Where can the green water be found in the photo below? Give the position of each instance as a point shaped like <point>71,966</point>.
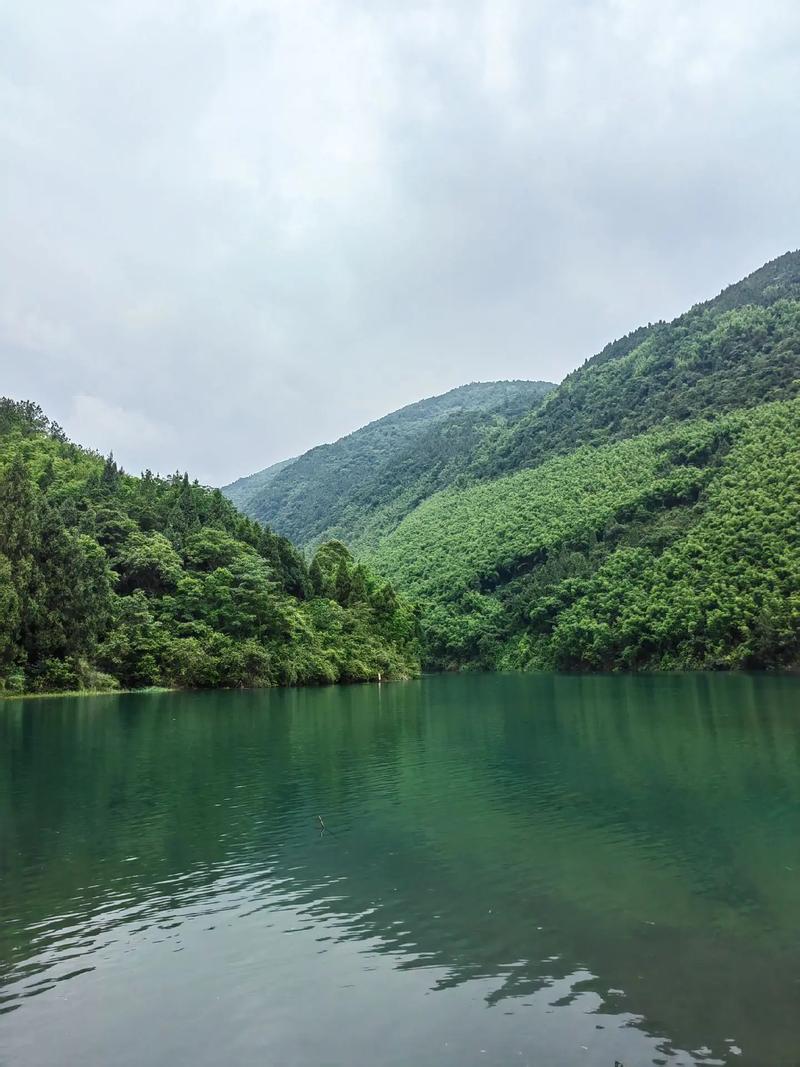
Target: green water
<point>534,870</point>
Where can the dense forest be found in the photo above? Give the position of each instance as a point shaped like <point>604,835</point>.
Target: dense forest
<point>679,548</point>
<point>360,487</point>
<point>109,580</point>
<point>736,350</point>
<point>246,489</point>
<point>645,515</point>
<point>717,357</point>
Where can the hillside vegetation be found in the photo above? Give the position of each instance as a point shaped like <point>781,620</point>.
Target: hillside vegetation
<point>737,350</point>
<point>645,515</point>
<point>360,487</point>
<point>108,580</point>
<point>676,549</point>
<point>243,490</point>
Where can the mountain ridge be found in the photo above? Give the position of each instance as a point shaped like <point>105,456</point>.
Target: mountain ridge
<point>241,490</point>
<point>644,516</point>
<point>327,491</point>
<point>628,379</point>
<point>628,386</point>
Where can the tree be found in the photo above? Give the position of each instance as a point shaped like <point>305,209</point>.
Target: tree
<point>343,586</point>
<point>10,618</point>
<point>148,562</point>
<point>110,478</point>
<point>19,534</point>
<point>316,578</point>
<point>107,579</point>
<point>73,592</point>
<point>18,515</point>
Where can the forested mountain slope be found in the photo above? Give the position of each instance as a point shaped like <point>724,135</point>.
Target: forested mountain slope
<point>108,580</point>
<point>736,350</point>
<point>646,514</point>
<point>679,548</point>
<point>242,490</point>
<point>643,514</point>
<point>739,349</point>
<point>358,488</point>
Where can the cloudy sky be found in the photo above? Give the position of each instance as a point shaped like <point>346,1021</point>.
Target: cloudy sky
<point>233,229</point>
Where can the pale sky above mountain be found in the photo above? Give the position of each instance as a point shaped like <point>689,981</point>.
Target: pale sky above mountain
<point>233,229</point>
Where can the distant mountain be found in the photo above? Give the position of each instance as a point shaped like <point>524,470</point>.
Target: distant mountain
<point>645,515</point>
<point>244,489</point>
<point>641,515</point>
<point>360,487</point>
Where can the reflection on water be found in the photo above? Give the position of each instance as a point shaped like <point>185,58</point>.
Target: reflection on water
<point>547,870</point>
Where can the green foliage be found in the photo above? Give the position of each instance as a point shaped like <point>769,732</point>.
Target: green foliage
<point>360,487</point>
<point>108,580</point>
<point>644,514</point>
<point>248,489</point>
<point>677,549</point>
<point>461,546</point>
<point>718,357</point>
<point>740,349</point>
<point>564,534</point>
<point>726,593</point>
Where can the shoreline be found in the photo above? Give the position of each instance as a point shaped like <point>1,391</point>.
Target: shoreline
<point>84,693</point>
<point>211,689</point>
<point>793,671</point>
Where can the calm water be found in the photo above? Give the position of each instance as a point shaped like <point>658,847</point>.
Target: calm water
<point>534,870</point>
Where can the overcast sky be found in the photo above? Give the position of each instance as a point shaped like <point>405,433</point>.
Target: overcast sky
<point>233,229</point>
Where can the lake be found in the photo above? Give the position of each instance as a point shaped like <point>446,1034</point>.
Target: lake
<point>544,870</point>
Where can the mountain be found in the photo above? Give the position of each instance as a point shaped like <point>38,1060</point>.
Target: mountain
<point>360,487</point>
<point>107,580</point>
<point>244,489</point>
<point>733,351</point>
<point>645,515</point>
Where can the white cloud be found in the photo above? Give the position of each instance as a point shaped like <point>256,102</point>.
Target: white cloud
<point>259,223</point>
<point>111,428</point>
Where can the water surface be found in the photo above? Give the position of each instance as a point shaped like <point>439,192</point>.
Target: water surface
<point>539,870</point>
